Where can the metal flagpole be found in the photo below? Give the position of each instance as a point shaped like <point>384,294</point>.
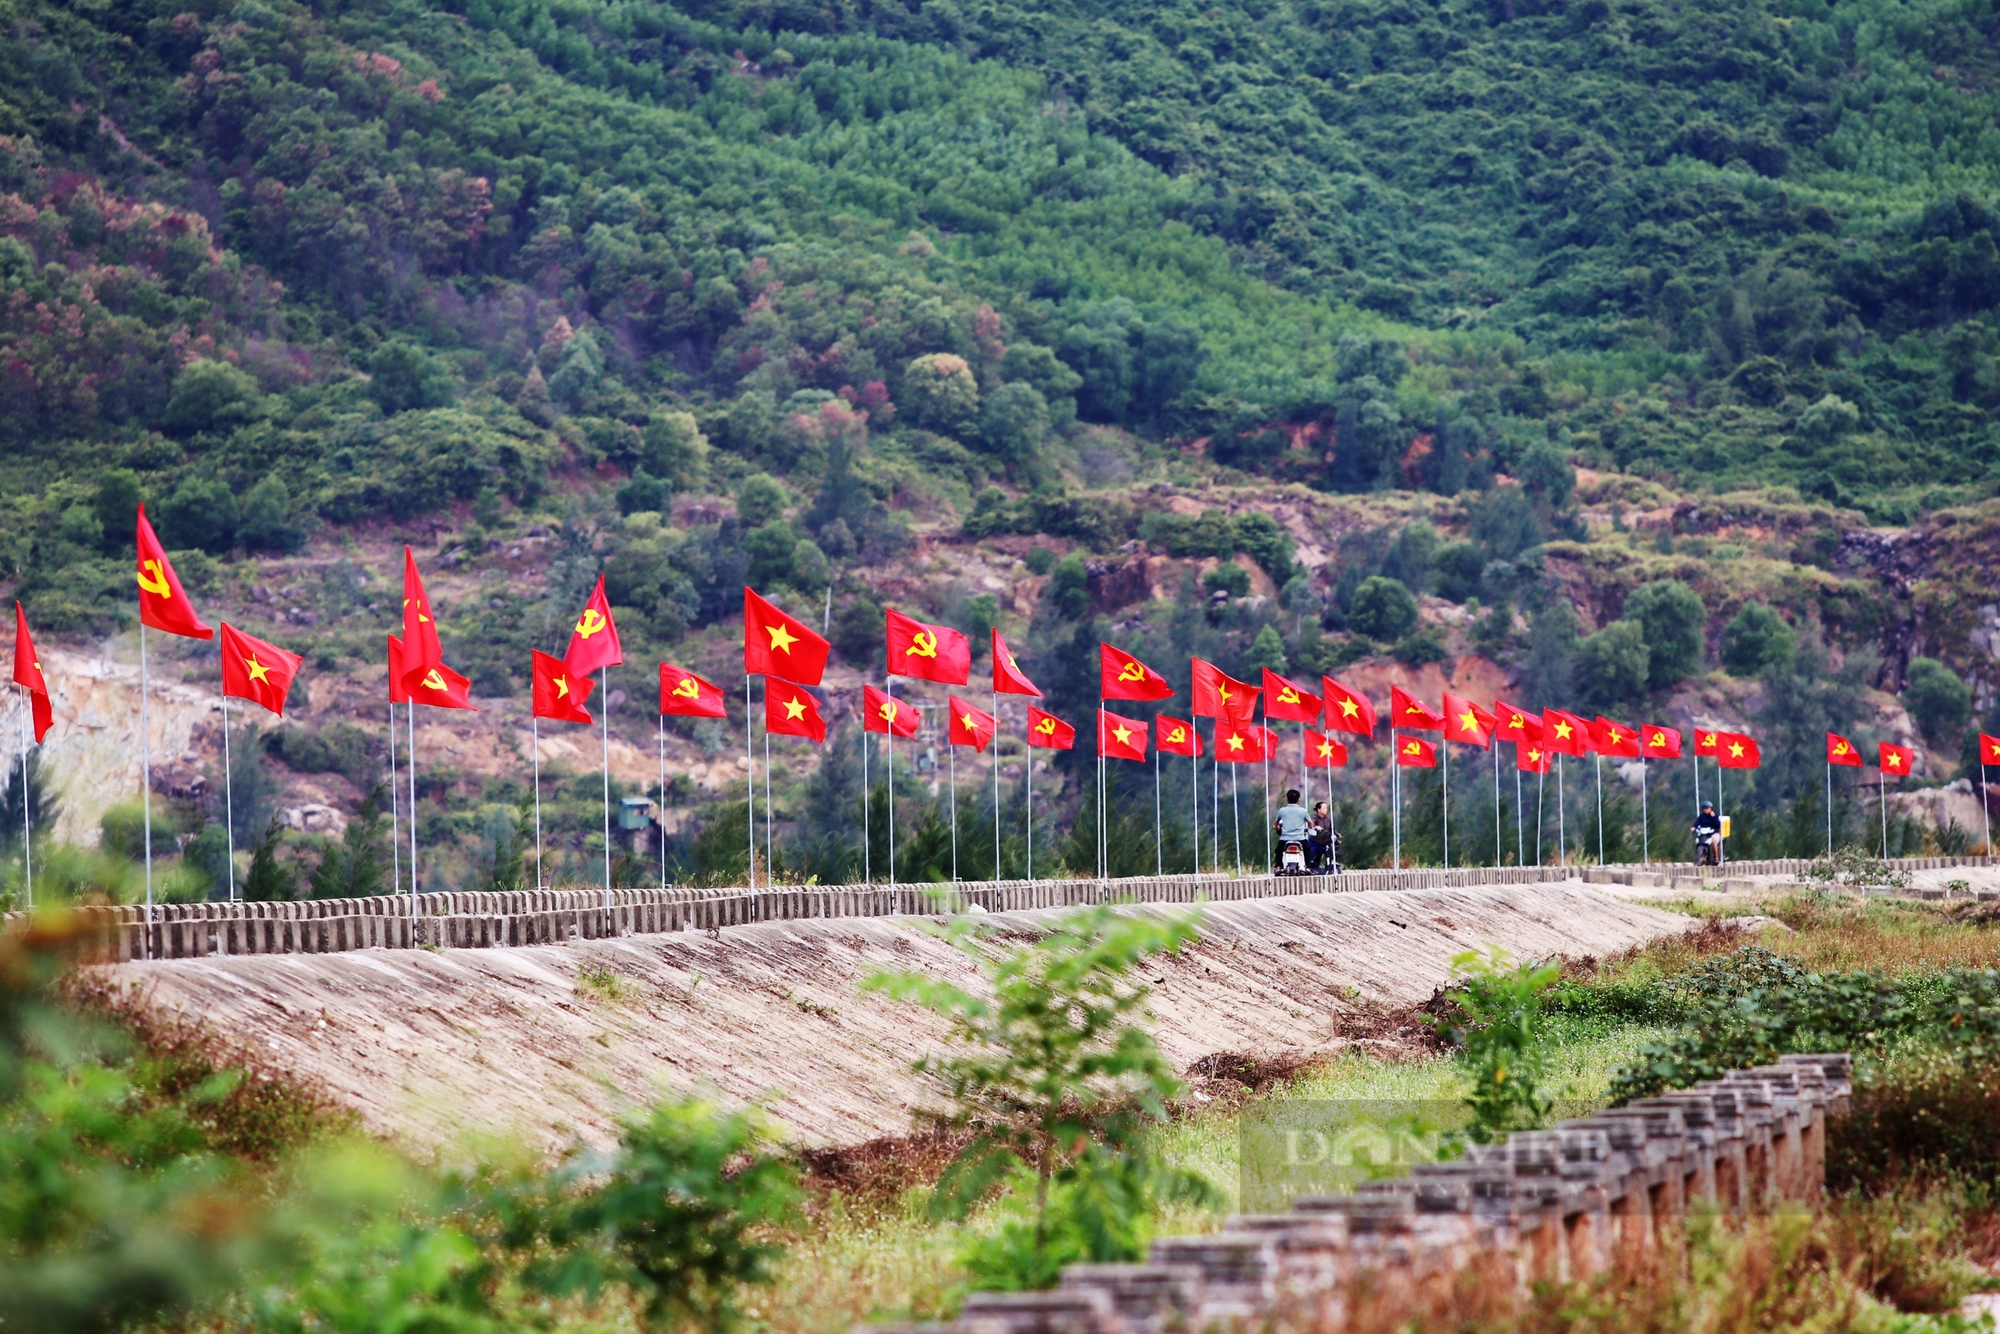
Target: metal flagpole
<point>889,757</point>
<point>1829,803</point>
<point>1395,803</point>
<point>1215,809</point>
<point>1881,804</point>
<point>769,872</point>
<point>1236,815</point>
<point>146,784</point>
<point>996,787</point>
<point>1985,818</point>
<point>1444,749</point>
<point>1541,806</point>
<point>1645,819</point>
<point>1194,794</point>
<point>604,712</point>
<point>412,707</point>
<point>1723,856</point>
<point>1268,815</point>
<point>28,833</point>
<point>396,813</point>
<point>1697,775</point>
<point>228,798</point>
<point>1159,853</point>
<point>1030,795</point>
<point>535,729</point>
<point>867,800</point>
<point>1494,742</point>
<point>1562,834</point>
<point>750,780</point>
<point>1520,821</point>
<point>951,765</point>
<point>663,801</point>
<point>1598,762</point>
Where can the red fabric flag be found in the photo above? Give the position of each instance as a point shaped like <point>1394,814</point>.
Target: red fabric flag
<point>1405,710</point>
<point>1008,678</point>
<point>1707,743</point>
<point>28,675</point>
<point>1220,695</point>
<point>1531,757</point>
<point>775,644</point>
<point>1989,749</point>
<point>1565,733</point>
<point>1323,752</point>
<point>968,726</point>
<point>1288,700</point>
<point>1466,723</point>
<point>1416,753</point>
<point>791,710</point>
<point>1515,725</point>
<point>1738,751</point>
<point>1895,761</point>
<point>1345,710</point>
<point>686,695</point>
<point>593,642</point>
<point>883,712</point>
<point>559,690</point>
<point>439,686</point>
<point>1614,739</point>
<point>1239,743</point>
<point>1122,676</point>
<point>927,652</point>
<point>1663,743</point>
<point>163,603</point>
<point>1176,736</point>
<point>421,649</point>
<point>397,693</point>
<point>254,670</point>
<point>1839,750</point>
<point>1120,738</point>
<point>1048,731</point>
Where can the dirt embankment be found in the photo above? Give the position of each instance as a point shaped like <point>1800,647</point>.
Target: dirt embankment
<point>434,1047</point>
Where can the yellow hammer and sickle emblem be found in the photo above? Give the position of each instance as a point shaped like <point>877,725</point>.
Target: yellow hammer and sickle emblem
<point>687,689</point>
<point>590,622</point>
<point>1288,696</point>
<point>1411,749</point>
<point>1177,736</point>
<point>157,585</point>
<point>1047,727</point>
<point>888,713</point>
<point>1131,671</point>
<point>923,645</point>
<point>432,681</point>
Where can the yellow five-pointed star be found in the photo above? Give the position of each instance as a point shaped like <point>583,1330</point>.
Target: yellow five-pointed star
<point>562,687</point>
<point>1349,709</point>
<point>1325,749</point>
<point>971,725</point>
<point>1895,760</point>
<point>1534,756</point>
<point>795,708</point>
<point>1563,730</point>
<point>258,672</point>
<point>1235,742</point>
<point>1735,751</point>
<point>1122,734</point>
<point>1468,721</point>
<point>781,638</point>
<point>1616,736</point>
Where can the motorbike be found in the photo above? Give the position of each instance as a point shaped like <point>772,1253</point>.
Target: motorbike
<point>1707,847</point>
<point>1292,858</point>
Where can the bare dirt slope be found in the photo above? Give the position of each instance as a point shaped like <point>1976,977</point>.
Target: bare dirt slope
<point>431,1047</point>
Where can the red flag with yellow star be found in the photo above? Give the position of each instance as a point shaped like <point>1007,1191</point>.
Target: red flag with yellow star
<point>1663,743</point>
<point>163,603</point>
<point>1122,676</point>
<point>559,689</point>
<point>1176,736</point>
<point>1840,750</point>
<point>1048,731</point>
<point>1218,694</point>
<point>775,644</point>
<point>421,650</point>
<point>1466,723</point>
<point>254,670</point>
<point>1416,753</point>
<point>1287,700</point>
<point>1531,757</point>
<point>1346,710</point>
<point>1989,749</point>
<point>1323,752</point>
<point>28,676</point>
<point>927,652</point>
<point>1240,743</point>
<point>593,641</point>
<point>1120,738</point>
<point>883,712</point>
<point>1406,710</point>
<point>1008,678</point>
<point>1614,739</point>
<point>1896,761</point>
<point>685,695</point>
<point>1737,751</point>
<point>791,710</point>
<point>969,726</point>
<point>1565,733</point>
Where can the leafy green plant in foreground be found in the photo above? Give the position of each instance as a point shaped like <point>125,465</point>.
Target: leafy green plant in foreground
<point>1056,1083</point>
<point>1497,1031</point>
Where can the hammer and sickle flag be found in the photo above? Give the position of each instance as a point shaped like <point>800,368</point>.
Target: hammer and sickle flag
<point>927,652</point>
<point>1841,750</point>
<point>1122,676</point>
<point>1008,678</point>
<point>1287,700</point>
<point>1516,725</point>
<point>1323,752</point>
<point>791,710</point>
<point>1663,743</point>
<point>1176,736</point>
<point>1048,731</point>
<point>1406,710</point>
<point>969,726</point>
<point>28,675</point>
<point>163,603</point>
<point>255,670</point>
<point>593,642</point>
<point>421,650</point>
<point>1120,738</point>
<point>1416,753</point>
<point>439,686</point>
<point>1216,694</point>
<point>686,695</point>
<point>560,690</point>
<point>884,713</point>
<point>775,644</point>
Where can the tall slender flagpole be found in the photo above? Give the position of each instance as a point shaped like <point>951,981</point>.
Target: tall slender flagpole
<point>769,870</point>
<point>1194,796</point>
<point>1645,819</point>
<point>1986,819</point>
<point>1597,761</point>
<point>1494,742</point>
<point>396,813</point>
<point>1444,749</point>
<point>1030,794</point>
<point>146,783</point>
<point>1881,803</point>
<point>1236,813</point>
<point>1395,803</point>
<point>1268,815</point>
<point>1159,853</point>
<point>1215,809</point>
<point>750,779</point>
<point>535,729</point>
<point>663,801</point>
<point>412,707</point>
<point>1562,833</point>
<point>1723,856</point>
<point>604,712</point>
<point>28,833</point>
<point>996,787</point>
<point>1520,821</point>
<point>889,755</point>
<point>867,800</point>
<point>951,767</point>
<point>1541,806</point>
<point>228,799</point>
<point>1829,803</point>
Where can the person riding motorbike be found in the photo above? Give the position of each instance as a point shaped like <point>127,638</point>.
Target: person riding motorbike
<point>1293,823</point>
<point>1708,835</point>
<point>1319,849</point>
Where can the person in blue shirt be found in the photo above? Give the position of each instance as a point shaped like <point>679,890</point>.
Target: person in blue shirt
<point>1294,825</point>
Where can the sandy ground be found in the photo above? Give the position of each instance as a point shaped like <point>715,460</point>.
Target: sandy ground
<point>437,1048</point>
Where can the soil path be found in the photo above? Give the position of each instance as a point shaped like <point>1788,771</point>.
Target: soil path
<point>433,1047</point>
